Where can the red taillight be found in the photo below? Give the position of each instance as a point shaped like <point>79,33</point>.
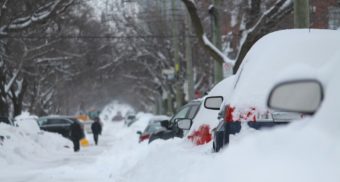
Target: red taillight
<point>201,136</point>
<point>228,115</point>
<point>143,137</point>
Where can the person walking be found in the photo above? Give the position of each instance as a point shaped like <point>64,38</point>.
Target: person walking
<point>96,128</point>
<point>77,134</point>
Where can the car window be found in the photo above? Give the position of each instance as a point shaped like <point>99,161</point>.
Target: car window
<point>73,119</point>
<point>153,128</point>
<point>181,114</point>
<point>57,121</point>
<point>193,111</point>
<point>42,121</point>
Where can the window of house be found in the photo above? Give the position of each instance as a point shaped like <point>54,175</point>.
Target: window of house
<point>334,18</point>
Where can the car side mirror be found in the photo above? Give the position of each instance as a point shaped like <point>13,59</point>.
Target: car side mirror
<point>213,103</point>
<point>302,96</point>
<point>139,132</point>
<point>184,124</point>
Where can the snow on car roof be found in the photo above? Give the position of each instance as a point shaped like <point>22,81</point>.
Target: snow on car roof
<point>159,118</point>
<point>207,116</point>
<point>303,49</point>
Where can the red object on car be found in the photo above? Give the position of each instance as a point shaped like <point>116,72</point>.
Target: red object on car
<point>201,136</point>
<point>143,137</point>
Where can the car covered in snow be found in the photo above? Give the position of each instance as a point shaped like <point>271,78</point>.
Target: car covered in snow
<point>275,55</point>
<point>184,115</point>
<point>154,125</point>
<point>118,117</point>
<point>130,118</point>
<point>207,115</point>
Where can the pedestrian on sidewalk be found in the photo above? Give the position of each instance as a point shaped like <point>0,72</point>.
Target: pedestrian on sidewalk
<point>77,133</point>
<point>96,128</point>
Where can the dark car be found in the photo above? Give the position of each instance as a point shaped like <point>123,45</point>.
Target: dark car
<point>58,124</point>
<point>154,126</point>
<point>187,111</point>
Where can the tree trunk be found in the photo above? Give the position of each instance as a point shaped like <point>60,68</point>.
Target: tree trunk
<point>301,13</point>
<point>214,13</point>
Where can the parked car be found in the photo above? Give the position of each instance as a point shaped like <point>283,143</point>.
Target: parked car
<point>185,114</point>
<point>295,52</point>
<point>118,117</point>
<point>130,118</point>
<point>154,125</point>
<point>58,124</point>
<point>207,115</point>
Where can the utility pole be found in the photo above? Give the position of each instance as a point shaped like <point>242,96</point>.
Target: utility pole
<point>216,39</point>
<point>301,13</point>
<point>188,56</point>
<point>178,88</point>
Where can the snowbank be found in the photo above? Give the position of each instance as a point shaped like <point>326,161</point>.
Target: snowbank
<point>308,150</point>
<point>26,143</point>
<point>112,109</point>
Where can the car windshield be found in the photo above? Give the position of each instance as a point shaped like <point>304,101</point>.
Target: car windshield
<point>153,127</point>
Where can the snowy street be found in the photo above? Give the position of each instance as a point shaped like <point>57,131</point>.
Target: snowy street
<point>114,154</point>
<point>175,90</point>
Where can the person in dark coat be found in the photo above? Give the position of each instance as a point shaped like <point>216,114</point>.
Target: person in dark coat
<point>77,134</point>
<point>96,128</point>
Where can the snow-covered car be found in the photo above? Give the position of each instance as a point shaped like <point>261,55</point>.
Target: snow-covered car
<point>118,117</point>
<point>186,113</point>
<point>207,115</point>
<point>280,54</point>
<point>130,118</point>
<point>154,126</point>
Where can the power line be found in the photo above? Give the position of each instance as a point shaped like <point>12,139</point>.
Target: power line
<point>93,37</point>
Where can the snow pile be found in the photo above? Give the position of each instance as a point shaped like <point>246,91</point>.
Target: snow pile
<point>112,109</point>
<point>27,122</point>
<point>308,150</point>
<point>26,143</point>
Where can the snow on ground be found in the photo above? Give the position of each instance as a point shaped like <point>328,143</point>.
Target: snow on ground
<point>30,155</point>
<point>307,150</point>
<point>299,152</point>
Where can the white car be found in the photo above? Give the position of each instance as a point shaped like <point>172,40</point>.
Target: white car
<point>282,54</point>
